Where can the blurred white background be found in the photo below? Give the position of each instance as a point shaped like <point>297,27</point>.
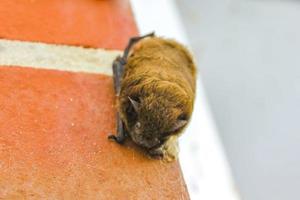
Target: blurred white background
<point>248,53</point>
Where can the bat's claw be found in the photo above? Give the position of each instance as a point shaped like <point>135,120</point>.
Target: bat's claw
<point>117,139</point>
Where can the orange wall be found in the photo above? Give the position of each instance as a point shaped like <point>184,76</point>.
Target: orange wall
<point>54,124</point>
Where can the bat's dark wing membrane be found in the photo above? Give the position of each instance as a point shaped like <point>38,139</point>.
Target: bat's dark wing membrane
<point>118,70</point>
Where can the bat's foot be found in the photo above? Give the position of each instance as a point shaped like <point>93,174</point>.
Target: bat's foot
<point>119,140</point>
<point>171,149</point>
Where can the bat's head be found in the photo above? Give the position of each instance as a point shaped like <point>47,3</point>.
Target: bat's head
<point>154,119</point>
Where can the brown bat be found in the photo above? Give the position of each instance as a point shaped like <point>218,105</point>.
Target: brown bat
<point>155,86</point>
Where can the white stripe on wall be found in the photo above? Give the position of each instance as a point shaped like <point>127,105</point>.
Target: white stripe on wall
<point>58,57</point>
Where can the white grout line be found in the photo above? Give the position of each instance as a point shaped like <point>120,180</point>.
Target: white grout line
<point>58,57</point>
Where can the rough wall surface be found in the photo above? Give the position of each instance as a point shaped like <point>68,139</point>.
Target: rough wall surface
<point>54,124</point>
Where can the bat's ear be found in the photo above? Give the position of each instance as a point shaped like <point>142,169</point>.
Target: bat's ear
<point>179,124</point>
<point>135,104</point>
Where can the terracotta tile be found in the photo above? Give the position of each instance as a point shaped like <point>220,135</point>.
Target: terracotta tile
<point>54,124</point>
<point>53,142</point>
<point>92,23</point>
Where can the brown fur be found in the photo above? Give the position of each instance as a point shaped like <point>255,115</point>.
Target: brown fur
<point>160,75</point>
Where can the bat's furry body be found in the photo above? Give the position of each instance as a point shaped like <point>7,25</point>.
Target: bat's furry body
<point>157,94</point>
